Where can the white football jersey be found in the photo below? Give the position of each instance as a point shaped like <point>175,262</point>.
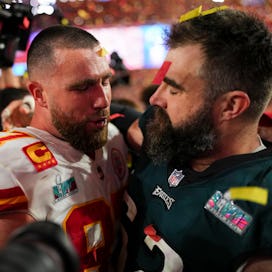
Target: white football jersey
<point>56,182</point>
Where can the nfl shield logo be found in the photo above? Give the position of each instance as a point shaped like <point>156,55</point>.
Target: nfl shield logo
<point>175,178</point>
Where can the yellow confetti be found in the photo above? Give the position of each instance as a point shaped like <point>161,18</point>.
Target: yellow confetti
<point>190,14</point>
<point>102,52</point>
<point>83,14</point>
<point>252,193</point>
<point>64,21</point>
<point>25,75</point>
<point>198,12</point>
<point>213,10</point>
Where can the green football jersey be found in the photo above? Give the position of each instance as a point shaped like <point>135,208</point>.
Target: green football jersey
<point>180,219</point>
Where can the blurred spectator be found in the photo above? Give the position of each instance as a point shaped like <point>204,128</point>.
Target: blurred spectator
<point>147,93</point>
<point>265,124</point>
<point>121,74</point>
<point>16,107</point>
<point>8,79</point>
<point>127,102</point>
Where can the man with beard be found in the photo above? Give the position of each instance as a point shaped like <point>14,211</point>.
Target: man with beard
<point>69,165</point>
<point>201,198</point>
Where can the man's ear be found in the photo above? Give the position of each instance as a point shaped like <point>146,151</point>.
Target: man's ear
<point>232,104</point>
<point>37,92</point>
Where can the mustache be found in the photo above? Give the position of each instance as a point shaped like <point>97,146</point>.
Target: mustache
<point>100,114</point>
<point>160,115</point>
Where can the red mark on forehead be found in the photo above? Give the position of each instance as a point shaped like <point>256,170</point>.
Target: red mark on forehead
<point>161,73</point>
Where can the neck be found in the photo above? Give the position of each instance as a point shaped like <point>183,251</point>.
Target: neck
<point>226,149</point>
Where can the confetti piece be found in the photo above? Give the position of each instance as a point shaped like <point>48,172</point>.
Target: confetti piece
<point>198,12</point>
<point>190,14</point>
<point>161,73</point>
<point>100,51</point>
<point>253,194</point>
<point>213,10</point>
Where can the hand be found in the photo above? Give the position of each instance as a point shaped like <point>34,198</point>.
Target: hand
<point>257,265</point>
<point>135,136</point>
<point>18,113</point>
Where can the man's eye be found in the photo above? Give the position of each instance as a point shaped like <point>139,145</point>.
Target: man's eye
<point>173,91</point>
<point>106,82</point>
<point>82,87</point>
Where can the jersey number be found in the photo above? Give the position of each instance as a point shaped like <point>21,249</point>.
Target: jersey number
<point>92,234</point>
<point>172,261</point>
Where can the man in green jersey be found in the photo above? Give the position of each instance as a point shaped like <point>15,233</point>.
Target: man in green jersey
<point>201,198</point>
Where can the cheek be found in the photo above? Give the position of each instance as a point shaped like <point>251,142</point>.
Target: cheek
<point>108,93</point>
<point>72,106</point>
<point>176,110</point>
<point>181,111</point>
<point>174,115</point>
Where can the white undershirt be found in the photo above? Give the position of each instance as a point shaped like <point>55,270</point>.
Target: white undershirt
<point>260,147</point>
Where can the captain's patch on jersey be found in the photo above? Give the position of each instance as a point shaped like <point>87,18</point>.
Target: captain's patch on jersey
<point>229,213</point>
<point>40,156</point>
<point>118,163</point>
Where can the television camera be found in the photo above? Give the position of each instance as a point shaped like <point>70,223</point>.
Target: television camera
<point>15,26</point>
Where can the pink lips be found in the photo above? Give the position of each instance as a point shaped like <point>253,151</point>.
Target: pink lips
<point>98,123</point>
<point>101,123</point>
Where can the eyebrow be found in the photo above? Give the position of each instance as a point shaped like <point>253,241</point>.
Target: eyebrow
<point>173,83</point>
<point>88,81</point>
<point>81,83</point>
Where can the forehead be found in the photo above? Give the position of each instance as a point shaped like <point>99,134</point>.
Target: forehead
<point>89,61</point>
<point>185,60</point>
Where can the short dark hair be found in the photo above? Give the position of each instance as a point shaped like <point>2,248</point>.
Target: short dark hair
<point>41,51</point>
<point>237,48</point>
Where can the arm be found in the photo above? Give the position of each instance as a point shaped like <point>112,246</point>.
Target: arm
<point>256,265</point>
<point>135,136</point>
<point>8,79</point>
<point>126,118</point>
<point>18,113</point>
<point>13,205</point>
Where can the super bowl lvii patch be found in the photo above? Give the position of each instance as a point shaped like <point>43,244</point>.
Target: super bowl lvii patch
<point>229,213</point>
<point>65,188</point>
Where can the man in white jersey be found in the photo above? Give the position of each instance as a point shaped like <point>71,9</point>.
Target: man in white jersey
<point>69,165</point>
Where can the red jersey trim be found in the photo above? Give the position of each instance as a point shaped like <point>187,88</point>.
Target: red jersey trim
<point>13,136</point>
<point>12,199</point>
<point>116,115</point>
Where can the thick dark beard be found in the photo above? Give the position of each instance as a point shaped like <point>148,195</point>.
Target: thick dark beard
<point>76,133</point>
<point>164,143</point>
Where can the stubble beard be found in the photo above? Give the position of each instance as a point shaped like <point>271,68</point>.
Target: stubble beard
<point>77,134</point>
<point>179,145</point>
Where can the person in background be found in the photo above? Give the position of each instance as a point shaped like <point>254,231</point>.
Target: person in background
<point>265,124</point>
<point>146,93</point>
<point>69,165</point>
<point>200,197</point>
<point>8,79</point>
<point>16,107</point>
